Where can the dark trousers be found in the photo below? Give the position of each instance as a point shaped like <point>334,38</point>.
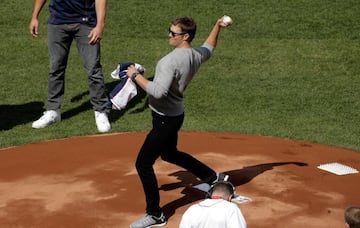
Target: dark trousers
<point>162,141</point>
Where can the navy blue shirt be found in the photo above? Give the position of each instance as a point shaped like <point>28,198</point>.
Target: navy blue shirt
<point>72,11</point>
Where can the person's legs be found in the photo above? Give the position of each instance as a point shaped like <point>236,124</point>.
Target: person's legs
<point>144,166</point>
<point>90,55</point>
<point>162,140</point>
<point>171,154</point>
<point>59,42</point>
<point>191,164</point>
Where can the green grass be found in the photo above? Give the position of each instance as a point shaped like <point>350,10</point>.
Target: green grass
<point>287,69</point>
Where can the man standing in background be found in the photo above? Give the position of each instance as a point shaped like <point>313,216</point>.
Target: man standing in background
<point>84,21</point>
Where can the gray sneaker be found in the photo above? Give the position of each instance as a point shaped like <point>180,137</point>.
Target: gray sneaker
<point>149,221</point>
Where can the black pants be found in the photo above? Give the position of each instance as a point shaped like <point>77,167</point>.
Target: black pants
<point>162,141</point>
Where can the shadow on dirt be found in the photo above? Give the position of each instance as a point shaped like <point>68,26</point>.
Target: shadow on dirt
<point>237,177</point>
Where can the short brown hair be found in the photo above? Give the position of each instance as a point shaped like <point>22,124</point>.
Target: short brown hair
<point>187,25</point>
<point>225,188</point>
<point>352,216</point>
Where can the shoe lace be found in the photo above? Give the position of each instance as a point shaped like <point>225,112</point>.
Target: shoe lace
<point>46,115</point>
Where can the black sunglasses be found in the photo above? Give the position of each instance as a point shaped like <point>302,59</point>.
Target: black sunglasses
<point>173,34</point>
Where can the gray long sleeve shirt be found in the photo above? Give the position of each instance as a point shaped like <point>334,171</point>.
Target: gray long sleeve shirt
<point>172,75</point>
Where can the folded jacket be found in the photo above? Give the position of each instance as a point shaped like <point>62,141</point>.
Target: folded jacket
<point>126,89</point>
<point>121,69</point>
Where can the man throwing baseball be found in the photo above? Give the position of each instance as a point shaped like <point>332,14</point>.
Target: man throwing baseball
<point>173,73</point>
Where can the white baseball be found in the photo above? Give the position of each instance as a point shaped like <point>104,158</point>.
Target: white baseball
<point>227,20</point>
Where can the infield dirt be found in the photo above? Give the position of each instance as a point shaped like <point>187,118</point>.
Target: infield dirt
<point>92,182</point>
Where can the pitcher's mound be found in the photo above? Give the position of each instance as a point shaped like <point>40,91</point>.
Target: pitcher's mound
<point>91,181</point>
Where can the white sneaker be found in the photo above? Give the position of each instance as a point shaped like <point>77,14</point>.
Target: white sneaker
<point>49,117</point>
<point>102,122</point>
